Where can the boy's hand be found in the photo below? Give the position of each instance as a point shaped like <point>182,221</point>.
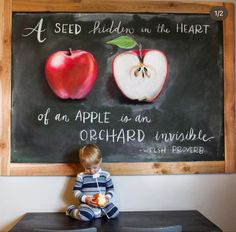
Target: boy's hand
<point>107,200</point>
<point>90,201</point>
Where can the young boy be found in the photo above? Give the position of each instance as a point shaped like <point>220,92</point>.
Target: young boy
<point>90,182</point>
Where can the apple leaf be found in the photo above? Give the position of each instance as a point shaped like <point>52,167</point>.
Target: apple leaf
<point>125,42</point>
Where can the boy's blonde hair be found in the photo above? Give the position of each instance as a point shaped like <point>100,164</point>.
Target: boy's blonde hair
<point>90,154</point>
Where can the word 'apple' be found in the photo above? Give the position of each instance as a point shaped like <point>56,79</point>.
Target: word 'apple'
<point>100,199</point>
<point>71,74</point>
<point>140,74</point>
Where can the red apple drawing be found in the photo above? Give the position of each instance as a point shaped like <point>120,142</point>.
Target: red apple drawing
<point>139,74</point>
<point>71,74</point>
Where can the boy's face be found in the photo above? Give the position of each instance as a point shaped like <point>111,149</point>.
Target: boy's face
<point>91,169</point>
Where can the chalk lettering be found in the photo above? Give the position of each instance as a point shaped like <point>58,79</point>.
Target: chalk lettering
<point>60,118</point>
<point>192,29</point>
<point>38,29</point>
<point>190,135</point>
<point>142,119</point>
<point>146,30</point>
<point>125,118</point>
<point>195,149</point>
<point>65,28</point>
<point>44,117</point>
<point>155,150</point>
<point>91,117</point>
<point>112,28</point>
<point>113,135</point>
<point>161,28</point>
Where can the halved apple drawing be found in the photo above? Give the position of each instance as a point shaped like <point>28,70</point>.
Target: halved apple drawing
<point>139,74</point>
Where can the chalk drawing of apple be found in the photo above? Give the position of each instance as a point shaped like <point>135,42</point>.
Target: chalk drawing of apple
<point>71,74</point>
<point>139,74</point>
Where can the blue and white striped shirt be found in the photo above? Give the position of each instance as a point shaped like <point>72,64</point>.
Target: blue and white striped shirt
<point>88,185</point>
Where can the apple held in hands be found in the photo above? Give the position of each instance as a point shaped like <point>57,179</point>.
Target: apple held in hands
<point>71,74</point>
<point>139,74</point>
<point>100,199</point>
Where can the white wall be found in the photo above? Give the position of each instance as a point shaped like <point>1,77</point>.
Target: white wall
<point>213,195</point>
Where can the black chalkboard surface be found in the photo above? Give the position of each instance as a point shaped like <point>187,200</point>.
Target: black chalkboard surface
<point>184,123</point>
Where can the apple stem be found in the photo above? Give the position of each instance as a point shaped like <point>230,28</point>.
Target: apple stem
<point>140,51</point>
<point>70,52</point>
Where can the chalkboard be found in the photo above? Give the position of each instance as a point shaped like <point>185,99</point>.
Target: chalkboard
<point>159,95</point>
<point>184,123</point>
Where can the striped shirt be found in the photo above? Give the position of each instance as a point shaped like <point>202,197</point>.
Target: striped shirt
<point>88,185</point>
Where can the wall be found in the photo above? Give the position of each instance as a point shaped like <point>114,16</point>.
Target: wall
<point>213,195</point>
